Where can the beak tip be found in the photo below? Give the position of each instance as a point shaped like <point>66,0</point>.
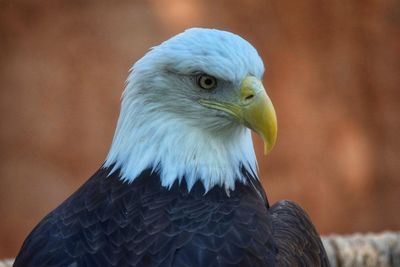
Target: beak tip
<point>269,140</point>
<point>267,148</point>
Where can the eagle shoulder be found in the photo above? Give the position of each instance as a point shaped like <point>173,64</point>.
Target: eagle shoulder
<point>296,238</point>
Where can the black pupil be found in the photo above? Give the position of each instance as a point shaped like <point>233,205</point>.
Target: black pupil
<point>208,81</point>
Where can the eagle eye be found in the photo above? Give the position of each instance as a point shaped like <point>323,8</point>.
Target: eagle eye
<point>206,82</point>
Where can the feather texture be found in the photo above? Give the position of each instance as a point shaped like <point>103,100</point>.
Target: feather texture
<point>110,223</point>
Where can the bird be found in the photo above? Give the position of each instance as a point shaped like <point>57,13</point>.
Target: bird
<point>179,185</point>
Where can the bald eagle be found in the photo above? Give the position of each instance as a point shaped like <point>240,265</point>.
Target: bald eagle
<point>179,186</point>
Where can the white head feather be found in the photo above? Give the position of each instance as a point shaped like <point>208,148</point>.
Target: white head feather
<point>163,127</point>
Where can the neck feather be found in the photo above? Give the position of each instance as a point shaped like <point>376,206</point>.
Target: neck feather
<point>145,139</point>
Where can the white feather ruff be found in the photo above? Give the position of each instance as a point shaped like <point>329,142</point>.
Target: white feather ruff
<point>161,125</point>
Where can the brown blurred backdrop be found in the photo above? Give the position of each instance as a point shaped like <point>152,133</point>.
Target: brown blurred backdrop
<point>333,72</point>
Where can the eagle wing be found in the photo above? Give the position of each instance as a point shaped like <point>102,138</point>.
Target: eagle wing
<point>297,241</point>
<point>109,223</point>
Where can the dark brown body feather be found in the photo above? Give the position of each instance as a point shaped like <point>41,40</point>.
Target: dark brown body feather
<point>111,223</point>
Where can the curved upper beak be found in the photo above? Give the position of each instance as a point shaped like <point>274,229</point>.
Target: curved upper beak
<point>258,112</point>
<point>254,110</point>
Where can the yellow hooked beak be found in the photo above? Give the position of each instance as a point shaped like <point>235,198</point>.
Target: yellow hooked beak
<point>254,110</point>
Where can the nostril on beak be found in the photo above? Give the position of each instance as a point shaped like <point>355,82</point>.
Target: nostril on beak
<point>249,97</point>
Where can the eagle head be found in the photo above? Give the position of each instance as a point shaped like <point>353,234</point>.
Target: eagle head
<point>188,108</point>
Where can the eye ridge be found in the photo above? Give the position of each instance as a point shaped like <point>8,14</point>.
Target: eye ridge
<point>206,81</point>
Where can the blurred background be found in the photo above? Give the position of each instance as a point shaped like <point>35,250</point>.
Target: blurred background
<point>333,73</point>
